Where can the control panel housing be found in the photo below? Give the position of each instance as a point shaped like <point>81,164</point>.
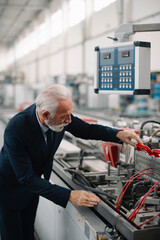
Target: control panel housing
<point>123,69</point>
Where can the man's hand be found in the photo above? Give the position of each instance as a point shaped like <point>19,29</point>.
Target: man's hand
<point>83,198</point>
<point>127,135</point>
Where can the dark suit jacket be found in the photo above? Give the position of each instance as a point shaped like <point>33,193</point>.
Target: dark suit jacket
<point>24,158</point>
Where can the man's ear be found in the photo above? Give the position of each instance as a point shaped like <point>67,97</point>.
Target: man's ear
<point>45,114</point>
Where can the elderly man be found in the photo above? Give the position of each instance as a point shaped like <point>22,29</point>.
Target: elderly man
<point>31,139</point>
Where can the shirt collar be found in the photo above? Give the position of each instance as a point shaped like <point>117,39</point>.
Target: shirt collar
<point>43,128</point>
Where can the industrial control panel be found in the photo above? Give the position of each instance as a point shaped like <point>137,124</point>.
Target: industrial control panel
<point>123,69</point>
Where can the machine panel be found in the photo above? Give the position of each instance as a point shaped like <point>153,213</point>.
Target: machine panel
<point>122,69</point>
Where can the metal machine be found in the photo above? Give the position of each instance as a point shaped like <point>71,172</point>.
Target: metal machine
<point>130,196</point>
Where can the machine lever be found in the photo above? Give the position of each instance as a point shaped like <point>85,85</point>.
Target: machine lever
<point>154,152</point>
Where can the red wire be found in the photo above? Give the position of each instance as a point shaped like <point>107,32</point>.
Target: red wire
<point>131,182</point>
<point>136,210</point>
<point>126,186</point>
<point>123,189</point>
<point>148,220</point>
<point>127,183</point>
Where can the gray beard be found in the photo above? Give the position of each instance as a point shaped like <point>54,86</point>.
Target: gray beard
<point>56,128</point>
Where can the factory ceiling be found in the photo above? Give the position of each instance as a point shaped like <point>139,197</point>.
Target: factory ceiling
<point>15,16</point>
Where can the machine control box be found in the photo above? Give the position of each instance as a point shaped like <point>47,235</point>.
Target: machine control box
<point>123,69</point>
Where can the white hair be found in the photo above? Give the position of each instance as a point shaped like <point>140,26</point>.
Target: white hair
<point>48,99</point>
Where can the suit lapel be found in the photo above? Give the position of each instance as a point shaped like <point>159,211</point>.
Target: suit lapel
<point>39,138</point>
<point>38,135</point>
<point>57,137</point>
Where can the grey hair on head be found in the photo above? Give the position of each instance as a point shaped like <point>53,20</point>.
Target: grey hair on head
<point>48,99</point>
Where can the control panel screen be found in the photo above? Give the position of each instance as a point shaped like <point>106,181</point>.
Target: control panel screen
<point>125,54</point>
<point>107,56</point>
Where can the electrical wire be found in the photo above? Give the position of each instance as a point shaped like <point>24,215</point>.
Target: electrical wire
<point>148,220</point>
<point>152,135</point>
<point>81,181</point>
<point>119,202</point>
<point>127,185</point>
<point>151,194</point>
<point>145,122</point>
<point>140,204</point>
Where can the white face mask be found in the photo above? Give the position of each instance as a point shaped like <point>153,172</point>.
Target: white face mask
<point>53,127</point>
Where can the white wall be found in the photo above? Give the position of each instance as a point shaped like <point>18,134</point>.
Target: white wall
<point>73,51</point>
<point>74,60</point>
<point>64,54</point>
<point>144,8</point>
<point>56,64</point>
<point>2,58</point>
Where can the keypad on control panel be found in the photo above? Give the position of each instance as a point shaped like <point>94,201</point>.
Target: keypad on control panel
<point>106,77</point>
<point>119,77</point>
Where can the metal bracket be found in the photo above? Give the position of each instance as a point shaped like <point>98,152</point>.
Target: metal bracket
<point>124,31</point>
